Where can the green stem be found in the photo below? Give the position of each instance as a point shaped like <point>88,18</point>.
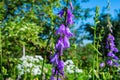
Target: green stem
<point>93,68</point>
<point>0,52</point>
<point>97,58</point>
<point>75,74</point>
<point>44,56</point>
<point>25,76</point>
<point>95,47</point>
<point>42,68</point>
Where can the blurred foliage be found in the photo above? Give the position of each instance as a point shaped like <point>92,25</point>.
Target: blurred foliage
<point>32,23</point>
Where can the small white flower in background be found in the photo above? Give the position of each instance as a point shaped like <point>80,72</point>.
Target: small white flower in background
<point>71,68</point>
<point>30,64</point>
<point>36,70</point>
<point>68,62</point>
<point>39,57</point>
<point>36,60</point>
<point>79,70</point>
<point>19,67</point>
<point>70,71</point>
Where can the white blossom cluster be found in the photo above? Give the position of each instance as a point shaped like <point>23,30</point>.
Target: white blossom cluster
<point>71,68</point>
<point>30,64</point>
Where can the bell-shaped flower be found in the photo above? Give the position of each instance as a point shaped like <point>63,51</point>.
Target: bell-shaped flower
<point>59,46</point>
<point>61,13</point>
<point>102,64</point>
<point>68,32</point>
<point>110,37</point>
<point>115,50</point>
<point>66,42</point>
<point>116,58</point>
<point>110,62</point>
<point>54,59</point>
<point>61,30</point>
<point>110,54</point>
<point>71,5</point>
<point>69,17</point>
<point>61,66</point>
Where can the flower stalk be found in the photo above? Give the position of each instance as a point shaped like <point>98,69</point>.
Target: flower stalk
<point>61,44</point>
<point>0,51</point>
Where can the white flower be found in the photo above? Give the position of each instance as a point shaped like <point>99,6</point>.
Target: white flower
<point>79,70</point>
<point>36,70</point>
<point>69,70</point>
<point>25,64</point>
<point>27,70</point>
<point>30,58</point>
<point>21,72</point>
<point>30,65</point>
<point>36,60</point>
<point>39,57</point>
<point>19,66</point>
<point>68,62</point>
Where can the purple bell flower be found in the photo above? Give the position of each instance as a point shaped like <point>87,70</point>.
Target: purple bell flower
<point>71,6</point>
<point>61,30</point>
<point>115,50</point>
<point>69,17</point>
<point>112,50</point>
<point>60,46</point>
<point>54,59</point>
<point>116,58</point>
<point>61,13</point>
<point>102,64</point>
<point>111,37</point>
<point>110,62</point>
<point>52,78</point>
<point>68,32</point>
<point>66,42</point>
<point>110,54</point>
<point>116,64</point>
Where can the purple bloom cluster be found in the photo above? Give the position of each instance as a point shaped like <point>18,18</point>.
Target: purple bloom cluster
<point>62,44</point>
<point>112,50</point>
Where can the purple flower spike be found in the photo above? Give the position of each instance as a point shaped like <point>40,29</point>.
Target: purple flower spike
<point>102,65</point>
<point>62,44</point>
<point>110,62</point>
<point>112,50</point>
<point>61,13</point>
